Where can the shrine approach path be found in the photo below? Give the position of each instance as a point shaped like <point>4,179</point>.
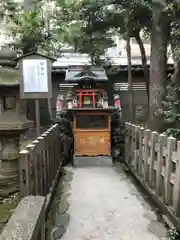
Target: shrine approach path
<point>104,204</point>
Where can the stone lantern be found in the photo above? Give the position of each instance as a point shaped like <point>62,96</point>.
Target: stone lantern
<point>69,99</point>
<point>59,104</point>
<point>13,122</point>
<point>105,102</point>
<point>117,101</point>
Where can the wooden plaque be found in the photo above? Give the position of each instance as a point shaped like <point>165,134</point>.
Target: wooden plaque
<point>35,77</point>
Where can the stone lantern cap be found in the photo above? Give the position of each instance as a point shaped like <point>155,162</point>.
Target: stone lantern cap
<point>7,57</point>
<point>15,118</point>
<point>9,76</point>
<point>7,53</point>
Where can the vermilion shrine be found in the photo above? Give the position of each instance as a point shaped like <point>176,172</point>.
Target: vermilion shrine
<point>87,101</point>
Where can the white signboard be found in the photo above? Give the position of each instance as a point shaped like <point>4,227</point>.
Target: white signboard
<point>35,75</point>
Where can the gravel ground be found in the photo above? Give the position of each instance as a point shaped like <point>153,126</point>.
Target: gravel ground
<point>105,205</point>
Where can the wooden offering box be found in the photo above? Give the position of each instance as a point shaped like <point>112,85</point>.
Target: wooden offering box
<point>92,133</point>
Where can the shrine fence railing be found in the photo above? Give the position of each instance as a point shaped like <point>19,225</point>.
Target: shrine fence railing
<point>40,163</point>
<point>154,159</point>
<point>39,167</point>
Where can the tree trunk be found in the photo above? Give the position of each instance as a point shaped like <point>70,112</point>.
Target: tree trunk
<point>29,45</point>
<point>175,46</point>
<point>92,58</point>
<point>160,35</point>
<point>144,62</point>
<point>130,87</point>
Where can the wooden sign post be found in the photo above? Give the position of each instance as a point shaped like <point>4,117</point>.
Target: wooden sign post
<point>36,80</point>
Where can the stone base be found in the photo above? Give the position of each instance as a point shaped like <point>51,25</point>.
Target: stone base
<point>101,161</point>
<point>5,191</point>
<point>8,184</point>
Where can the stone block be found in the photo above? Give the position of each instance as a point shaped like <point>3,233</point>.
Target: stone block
<point>63,206</point>
<point>57,233</point>
<point>25,222</point>
<point>62,220</point>
<point>102,161</point>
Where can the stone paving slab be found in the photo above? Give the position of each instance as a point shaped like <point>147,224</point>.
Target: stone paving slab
<point>105,205</point>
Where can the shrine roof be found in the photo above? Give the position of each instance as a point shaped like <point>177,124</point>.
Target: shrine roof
<point>81,73</point>
<point>34,54</point>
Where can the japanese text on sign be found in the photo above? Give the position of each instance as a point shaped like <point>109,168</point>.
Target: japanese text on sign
<point>35,75</point>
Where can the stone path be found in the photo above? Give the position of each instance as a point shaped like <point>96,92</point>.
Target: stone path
<point>103,204</point>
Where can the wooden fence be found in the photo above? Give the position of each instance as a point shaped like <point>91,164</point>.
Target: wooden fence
<point>155,160</point>
<point>39,163</point>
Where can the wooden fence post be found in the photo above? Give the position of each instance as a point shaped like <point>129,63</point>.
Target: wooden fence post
<point>36,168</point>
<point>127,145</point>
<point>46,162</point>
<point>161,141</point>
<point>46,139</point>
<point>25,178</point>
<point>129,142</point>
<point>42,165</point>
<point>132,144</point>
<point>147,135</point>
<point>176,190</point>
<point>53,152</point>
<point>58,146</point>
<point>153,153</point>
<point>171,146</point>
<point>30,148</point>
<point>49,153</point>
<point>52,155</point>
<point>141,136</point>
<point>137,149</point>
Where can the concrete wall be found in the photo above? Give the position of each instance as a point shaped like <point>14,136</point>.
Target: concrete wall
<point>27,221</point>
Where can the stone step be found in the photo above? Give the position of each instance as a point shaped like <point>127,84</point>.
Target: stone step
<point>101,161</point>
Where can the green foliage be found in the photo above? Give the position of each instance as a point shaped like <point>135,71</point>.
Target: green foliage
<point>171,110</point>
<point>82,24</point>
<point>172,102</point>
<point>173,234</point>
<point>86,27</point>
<point>29,24</point>
<point>8,6</point>
<point>137,13</point>
<point>27,29</point>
